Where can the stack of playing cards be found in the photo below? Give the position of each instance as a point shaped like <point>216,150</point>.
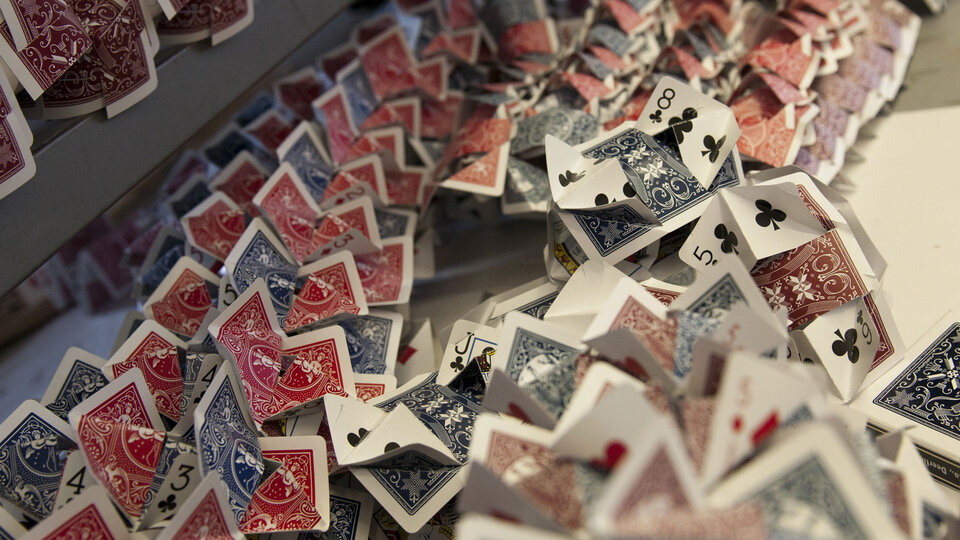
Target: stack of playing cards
<point>73,58</point>
<point>701,358</point>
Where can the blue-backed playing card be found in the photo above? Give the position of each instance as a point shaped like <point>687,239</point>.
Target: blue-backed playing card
<point>227,441</point>
<point>77,378</point>
<point>30,440</point>
<point>304,150</point>
<point>372,341</point>
<point>260,254</point>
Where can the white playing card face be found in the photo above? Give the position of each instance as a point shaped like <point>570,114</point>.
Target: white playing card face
<point>304,424</point>
<point>209,506</point>
<point>844,341</point>
<point>468,340</point>
<point>756,396</point>
<point>418,357</point>
<point>583,296</point>
<point>10,526</point>
<point>350,421</point>
<point>773,218</point>
<point>715,237</point>
<point>181,480</point>
<point>75,480</point>
<point>813,468</point>
<point>705,129</point>
<point>398,433</point>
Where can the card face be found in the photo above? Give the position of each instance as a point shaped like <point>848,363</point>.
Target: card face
<point>227,442</point>
<point>205,514</point>
<point>321,366</point>
<point>754,399</point>
<point>249,337</point>
<point>845,342</point>
<point>181,301</point>
<point>153,350</point>
<point>214,225</point>
<point>259,254</point>
<point>77,378</point>
<point>468,340</point>
<point>373,341</point>
<point>814,468</point>
<point>705,129</point>
<point>332,288</point>
<point>176,479</point>
<point>540,358</point>
<point>30,440</point>
<point>93,515</point>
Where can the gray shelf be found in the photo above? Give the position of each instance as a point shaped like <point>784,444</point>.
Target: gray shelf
<point>93,162</point>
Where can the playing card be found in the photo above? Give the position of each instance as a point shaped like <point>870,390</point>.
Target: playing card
<point>305,460</point>
<point>153,350</point>
<point>389,64</point>
<point>48,54</point>
<point>240,180</point>
<point>174,484</point>
<point>350,513</point>
<point>533,298</point>
<point>214,225</point>
<point>540,358</point>
<point>720,286</point>
<point>298,90</point>
<point>525,480</point>
<point>125,399</point>
<point>259,254</point>
<point>349,227</point>
<point>418,355</point>
<point>813,469</point>
<point>77,377</point>
<point>122,455</point>
<point>816,277</point>
<point>387,275</point>
<point>320,367</point>
<point>582,297</point>
<point>404,111</point>
<point>755,398</point>
<point>373,341</point>
<point>395,222</point>
<point>206,514</point>
<point>594,438</point>
<point>400,432</point>
<point>468,341</point>
<point>227,441</point>
<point>74,479</point>
<point>358,177</point>
<point>9,526</point>
<point>845,355</point>
<point>751,223</point>
<point>305,152</point>
<point>189,195</point>
<point>250,339</point>
<point>372,386</point>
<point>182,299</point>
<point>90,516</point>
<point>358,90</point>
<point>334,113</point>
<point>350,421</point>
<point>30,440</point>
<point>485,176</point>
<point>332,288</point>
<point>285,200</point>
<point>705,129</point>
<point>655,476</point>
<point>16,138</point>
